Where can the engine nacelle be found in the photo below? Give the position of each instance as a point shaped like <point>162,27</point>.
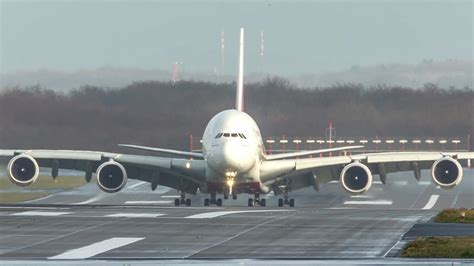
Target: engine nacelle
<point>23,170</point>
<point>356,178</point>
<point>446,172</point>
<point>111,176</point>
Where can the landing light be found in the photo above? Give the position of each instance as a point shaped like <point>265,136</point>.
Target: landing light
<point>230,174</point>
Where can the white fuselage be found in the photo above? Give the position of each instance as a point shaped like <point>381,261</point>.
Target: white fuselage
<point>233,148</point>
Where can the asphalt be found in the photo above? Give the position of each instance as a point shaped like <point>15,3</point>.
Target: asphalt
<point>137,223</point>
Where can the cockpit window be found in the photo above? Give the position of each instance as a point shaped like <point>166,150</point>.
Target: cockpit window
<point>234,135</point>
<point>226,135</point>
<point>218,135</point>
<point>243,136</point>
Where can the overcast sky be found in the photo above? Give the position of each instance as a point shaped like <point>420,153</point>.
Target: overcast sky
<point>301,37</point>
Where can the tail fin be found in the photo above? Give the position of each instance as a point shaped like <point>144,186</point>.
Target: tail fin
<point>239,101</point>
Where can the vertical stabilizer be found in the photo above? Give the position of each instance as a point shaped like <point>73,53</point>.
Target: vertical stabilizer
<point>239,101</point>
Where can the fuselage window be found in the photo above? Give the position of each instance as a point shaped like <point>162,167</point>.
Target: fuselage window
<point>226,135</point>
<point>243,136</point>
<point>218,135</point>
<point>234,135</point>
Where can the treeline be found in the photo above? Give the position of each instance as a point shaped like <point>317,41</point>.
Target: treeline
<point>164,113</point>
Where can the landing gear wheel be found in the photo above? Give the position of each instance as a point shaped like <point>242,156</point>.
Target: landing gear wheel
<point>263,202</point>
<point>250,202</point>
<point>226,196</point>
<point>292,203</point>
<point>206,202</point>
<point>213,198</point>
<point>219,202</point>
<point>188,202</point>
<point>280,202</point>
<point>234,196</point>
<point>176,202</point>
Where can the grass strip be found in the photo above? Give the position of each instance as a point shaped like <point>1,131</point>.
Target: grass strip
<point>15,197</point>
<point>440,247</point>
<point>46,182</point>
<point>455,216</point>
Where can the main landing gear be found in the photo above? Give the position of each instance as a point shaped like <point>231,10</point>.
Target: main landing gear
<point>257,201</point>
<point>213,200</point>
<point>182,200</point>
<point>286,200</point>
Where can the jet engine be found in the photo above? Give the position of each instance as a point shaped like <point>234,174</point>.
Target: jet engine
<point>23,170</point>
<point>356,178</point>
<point>111,176</point>
<point>446,172</point>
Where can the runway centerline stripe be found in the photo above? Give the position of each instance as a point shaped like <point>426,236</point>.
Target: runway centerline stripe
<point>39,213</point>
<point>148,202</point>
<point>96,248</point>
<point>136,215</point>
<point>208,215</point>
<point>431,202</point>
<point>368,202</point>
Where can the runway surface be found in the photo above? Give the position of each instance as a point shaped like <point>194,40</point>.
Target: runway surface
<point>138,223</point>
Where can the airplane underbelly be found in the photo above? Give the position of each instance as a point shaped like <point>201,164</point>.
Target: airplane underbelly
<point>244,187</point>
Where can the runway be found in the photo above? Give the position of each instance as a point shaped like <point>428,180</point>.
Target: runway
<point>138,223</point>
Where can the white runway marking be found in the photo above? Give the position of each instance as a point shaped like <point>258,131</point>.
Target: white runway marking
<point>208,215</point>
<point>35,200</point>
<point>91,200</point>
<point>424,183</point>
<point>361,196</point>
<point>39,213</point>
<point>368,202</point>
<point>401,183</point>
<point>137,184</point>
<point>171,196</point>
<point>377,182</point>
<point>135,215</point>
<point>148,202</point>
<point>333,182</point>
<point>96,248</point>
<point>431,202</point>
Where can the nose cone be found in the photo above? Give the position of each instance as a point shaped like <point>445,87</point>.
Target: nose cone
<point>233,156</point>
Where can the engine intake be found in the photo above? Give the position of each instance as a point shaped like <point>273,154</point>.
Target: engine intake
<point>446,172</point>
<point>111,176</point>
<point>356,178</point>
<point>23,170</point>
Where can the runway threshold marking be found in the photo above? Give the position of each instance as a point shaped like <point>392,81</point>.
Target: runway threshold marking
<point>136,215</point>
<point>431,202</point>
<point>39,213</point>
<point>96,248</point>
<point>148,202</point>
<point>208,215</point>
<point>368,202</point>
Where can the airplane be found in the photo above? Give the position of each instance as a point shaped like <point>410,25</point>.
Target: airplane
<point>234,161</point>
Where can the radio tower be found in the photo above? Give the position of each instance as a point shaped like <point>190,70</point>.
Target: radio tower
<point>222,52</point>
<point>262,50</point>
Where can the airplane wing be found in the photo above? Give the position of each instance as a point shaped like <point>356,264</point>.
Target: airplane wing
<point>165,151</point>
<point>270,157</point>
<point>182,174</point>
<point>299,173</point>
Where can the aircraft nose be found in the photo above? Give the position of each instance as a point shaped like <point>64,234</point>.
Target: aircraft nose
<point>236,157</point>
